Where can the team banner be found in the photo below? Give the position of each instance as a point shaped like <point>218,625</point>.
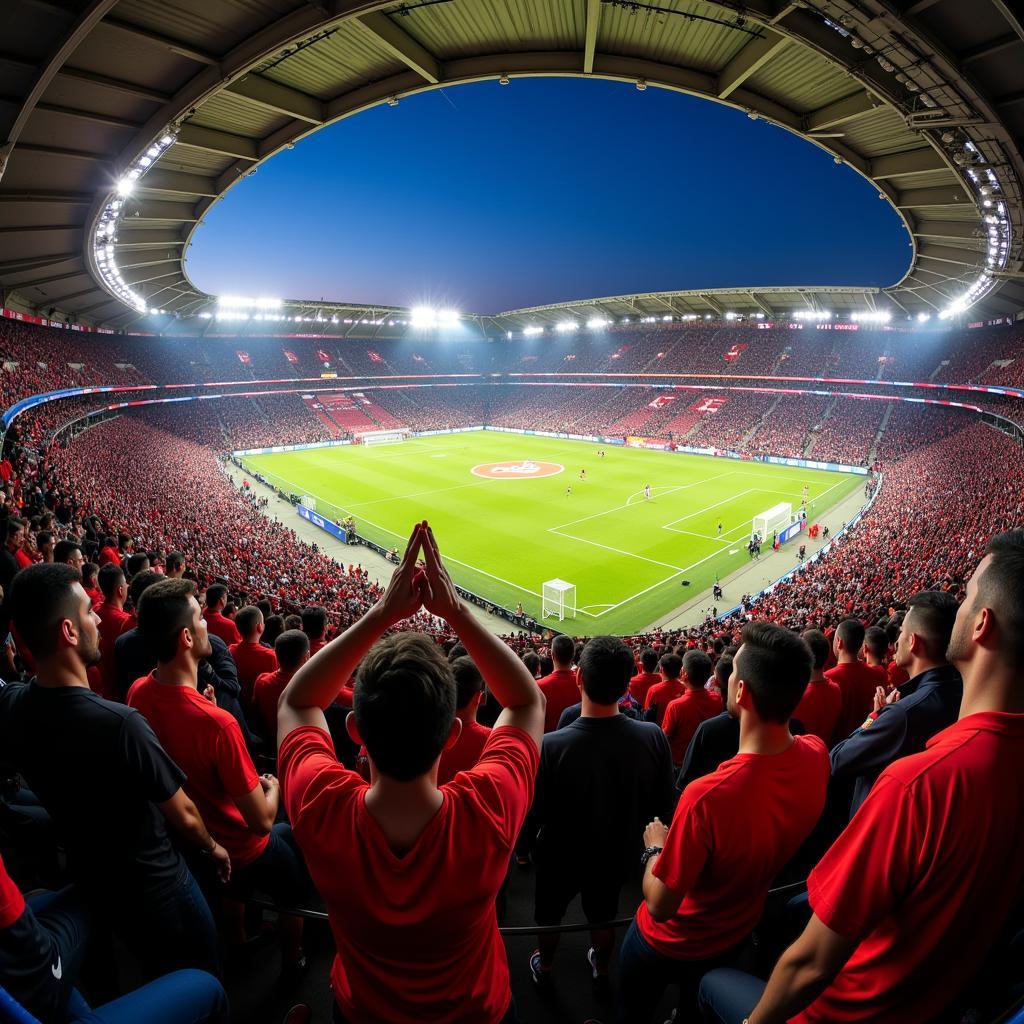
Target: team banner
<point>708,405</point>
<point>322,356</point>
<point>375,357</point>
<point>661,401</point>
<point>290,355</point>
<point>243,357</point>
<point>734,352</point>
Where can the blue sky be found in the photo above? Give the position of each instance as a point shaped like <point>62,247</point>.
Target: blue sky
<point>486,198</point>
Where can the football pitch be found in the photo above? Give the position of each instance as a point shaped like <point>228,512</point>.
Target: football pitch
<point>510,511</point>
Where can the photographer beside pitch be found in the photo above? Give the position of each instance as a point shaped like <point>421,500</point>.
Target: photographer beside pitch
<point>409,872</point>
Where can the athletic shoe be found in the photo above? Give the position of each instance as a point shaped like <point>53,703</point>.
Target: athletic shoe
<point>541,975</point>
<point>600,980</point>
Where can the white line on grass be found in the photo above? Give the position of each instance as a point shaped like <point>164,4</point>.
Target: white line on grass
<point>618,551</point>
<point>708,508</point>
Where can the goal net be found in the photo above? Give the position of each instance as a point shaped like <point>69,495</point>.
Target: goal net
<point>309,501</point>
<point>369,437</point>
<point>558,599</point>
<point>773,521</point>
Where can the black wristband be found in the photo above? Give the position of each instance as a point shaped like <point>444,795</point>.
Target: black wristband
<point>651,851</point>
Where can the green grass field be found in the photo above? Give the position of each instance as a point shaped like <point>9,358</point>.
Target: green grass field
<point>502,538</point>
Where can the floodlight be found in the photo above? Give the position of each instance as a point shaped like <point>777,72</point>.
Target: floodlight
<point>923,317</point>
<point>533,330</point>
<point>666,318</point>
<point>596,322</point>
<point>423,316</point>
<point>567,325</point>
<point>125,186</point>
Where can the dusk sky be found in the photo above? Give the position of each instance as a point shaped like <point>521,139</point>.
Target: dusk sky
<point>486,198</point>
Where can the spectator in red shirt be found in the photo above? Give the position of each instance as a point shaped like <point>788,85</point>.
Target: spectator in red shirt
<point>108,552</point>
<point>112,620</point>
<point>469,695</point>
<point>314,625</point>
<point>216,622</point>
<point>695,705</point>
<point>662,694</point>
<point>706,879</point>
<point>646,677</point>
<point>559,687</point>
<point>409,873</point>
<point>70,553</point>
<point>876,647</point>
<point>292,651</point>
<point>909,901</point>
<point>251,658</point>
<point>16,542</point>
<point>238,806</point>
<point>819,708</point>
<point>856,681</point>
<point>174,566</point>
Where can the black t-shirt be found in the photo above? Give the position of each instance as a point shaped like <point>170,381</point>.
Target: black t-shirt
<point>99,770</point>
<point>600,781</point>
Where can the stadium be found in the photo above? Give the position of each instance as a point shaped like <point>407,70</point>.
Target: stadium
<point>360,655</point>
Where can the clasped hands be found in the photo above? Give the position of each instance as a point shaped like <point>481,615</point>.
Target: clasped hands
<point>413,586</point>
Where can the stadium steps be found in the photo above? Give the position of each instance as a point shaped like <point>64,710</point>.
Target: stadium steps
<point>873,452</point>
<point>345,414</point>
<point>381,416</point>
<point>748,436</point>
<point>635,422</point>
<point>812,438</point>
<point>323,417</point>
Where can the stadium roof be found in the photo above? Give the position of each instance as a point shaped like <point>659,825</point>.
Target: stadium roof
<point>176,101</point>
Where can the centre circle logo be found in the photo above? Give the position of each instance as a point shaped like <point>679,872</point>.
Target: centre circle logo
<point>525,470</point>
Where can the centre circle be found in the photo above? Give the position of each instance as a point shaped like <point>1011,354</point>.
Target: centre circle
<point>525,469</point>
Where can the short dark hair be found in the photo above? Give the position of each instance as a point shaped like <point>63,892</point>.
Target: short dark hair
<point>999,588</point>
<point>775,664</point>
<point>697,666</point>
<point>293,621</point>
<point>64,549</point>
<point>136,563</point>
<point>671,665</point>
<point>174,561</point>
<point>43,537</point>
<point>563,649</point>
<point>877,641</point>
<point>140,583</point>
<point>851,632</point>
<point>606,666</point>
<point>934,615</point>
<point>90,570</point>
<point>248,620</point>
<point>215,594</point>
<point>314,621</point>
<point>819,646</point>
<point>723,669</point>
<point>266,608</point>
<point>469,683</point>
<point>404,704</point>
<point>457,651</point>
<point>164,611</point>
<point>110,578</point>
<point>291,647</point>
<point>14,524</point>
<point>531,659</point>
<point>41,597</point>
<point>648,659</point>
<point>273,627</point>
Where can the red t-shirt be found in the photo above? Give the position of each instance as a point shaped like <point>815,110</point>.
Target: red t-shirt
<point>266,693</point>
<point>897,676</point>
<point>731,834</point>
<point>12,903</point>
<point>641,683</point>
<point>22,558</point>
<point>316,645</point>
<point>206,743</point>
<point>684,714</point>
<point>222,626</point>
<point>108,555</point>
<point>925,875</point>
<point>416,935</point>
<point>819,709</point>
<point>466,752</point>
<point>112,622</point>
<point>661,695</point>
<point>857,683</point>
<point>96,596</point>
<point>252,659</point>
<point>561,692</point>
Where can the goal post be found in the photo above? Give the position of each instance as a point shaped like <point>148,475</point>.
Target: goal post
<point>774,520</point>
<point>308,501</point>
<point>370,437</point>
<point>558,599</point>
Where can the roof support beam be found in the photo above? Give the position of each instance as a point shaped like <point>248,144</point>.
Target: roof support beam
<point>143,259</point>
<point>749,60</point>
<point>141,238</point>
<point>949,254</point>
<point>157,210</point>
<point>62,153</point>
<point>34,198</point>
<point>400,44</point>
<point>947,229</point>
<point>590,35</point>
<point>91,16</point>
<point>945,195</point>
<point>989,48</point>
<point>161,41</point>
<point>914,161</point>
<point>37,262</point>
<point>839,112</point>
<point>711,302</point>
<point>179,183</point>
<point>35,229</point>
<point>279,98</point>
<point>217,142</point>
<point>144,276</point>
<point>40,282</point>
<point>88,115</point>
<point>113,84</point>
<point>763,306</point>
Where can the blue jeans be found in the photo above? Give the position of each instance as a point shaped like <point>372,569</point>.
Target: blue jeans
<point>279,871</point>
<point>511,1014</point>
<point>183,997</point>
<point>727,996</point>
<point>644,974</point>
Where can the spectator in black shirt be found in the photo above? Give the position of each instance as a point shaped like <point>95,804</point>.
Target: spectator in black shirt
<point>110,788</point>
<point>716,739</point>
<point>600,779</point>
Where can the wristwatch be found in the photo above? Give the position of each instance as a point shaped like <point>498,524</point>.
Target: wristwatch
<point>651,851</point>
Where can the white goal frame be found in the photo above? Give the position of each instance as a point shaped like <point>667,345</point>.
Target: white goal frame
<point>774,519</point>
<point>308,501</point>
<point>370,437</point>
<point>558,598</point>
